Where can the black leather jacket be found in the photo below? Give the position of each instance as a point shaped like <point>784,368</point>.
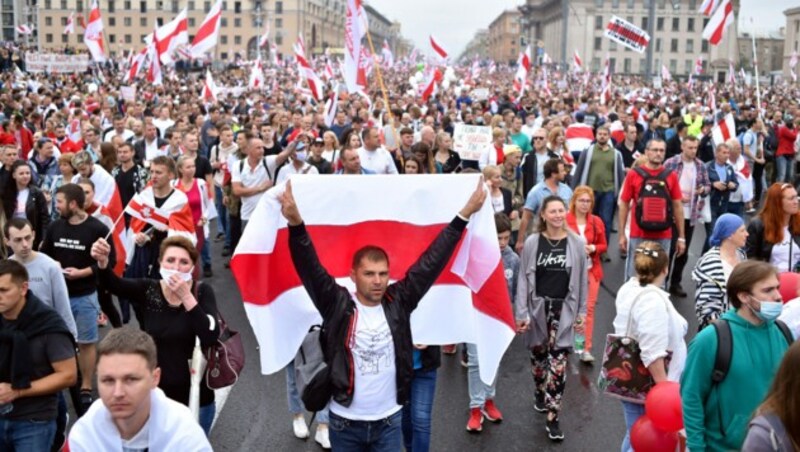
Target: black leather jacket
<point>337,307</point>
<point>758,248</point>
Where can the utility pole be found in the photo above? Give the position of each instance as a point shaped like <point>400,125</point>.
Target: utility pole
<point>651,19</point>
<point>564,29</point>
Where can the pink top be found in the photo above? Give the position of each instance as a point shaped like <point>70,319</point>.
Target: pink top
<point>195,201</point>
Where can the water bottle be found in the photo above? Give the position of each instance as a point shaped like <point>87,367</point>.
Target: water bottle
<point>580,342</point>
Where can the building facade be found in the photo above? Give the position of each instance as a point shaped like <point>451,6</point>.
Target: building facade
<point>676,39</point>
<point>478,45</point>
<point>128,22</point>
<point>503,38</point>
<point>792,39</point>
<point>769,51</point>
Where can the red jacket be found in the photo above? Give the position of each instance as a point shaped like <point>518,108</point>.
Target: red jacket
<point>786,138</point>
<point>595,234</point>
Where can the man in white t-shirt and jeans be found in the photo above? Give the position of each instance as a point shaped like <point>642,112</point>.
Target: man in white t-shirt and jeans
<point>252,176</point>
<point>368,333</point>
<point>375,157</point>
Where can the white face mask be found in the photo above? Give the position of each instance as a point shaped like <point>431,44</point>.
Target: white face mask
<point>167,274</point>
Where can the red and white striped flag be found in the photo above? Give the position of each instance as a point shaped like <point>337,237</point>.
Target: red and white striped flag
<point>106,193</point>
<point>209,88</point>
<point>273,50</point>
<point>118,234</point>
<point>724,130</point>
<point>698,65</point>
<point>523,68</point>
<point>438,49</point>
<point>206,37</point>
<point>577,61</point>
<point>136,65</point>
<point>429,88</point>
<point>264,39</point>
<point>70,27</point>
<point>328,73</point>
<point>331,105</point>
<point>306,72</point>
<point>154,69</point>
<point>256,75</point>
<point>469,301</point>
<point>24,29</point>
<point>386,52</point>
<point>174,216</point>
<point>731,73</point>
<point>93,34</point>
<point>708,7</point>
<point>792,65</point>
<point>172,35</point>
<point>665,75</point>
<point>354,76</point>
<point>720,20</point>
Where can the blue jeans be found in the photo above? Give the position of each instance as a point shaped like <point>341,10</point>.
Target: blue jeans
<point>784,168</point>
<point>632,412</point>
<point>479,392</point>
<point>383,435</point>
<point>85,309</point>
<point>293,397</point>
<point>633,243</point>
<point>206,417</point>
<point>417,412</point>
<point>205,254</point>
<point>26,436</point>
<point>604,203</point>
<point>222,215</point>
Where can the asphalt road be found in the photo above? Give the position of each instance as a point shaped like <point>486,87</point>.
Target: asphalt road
<point>256,418</point>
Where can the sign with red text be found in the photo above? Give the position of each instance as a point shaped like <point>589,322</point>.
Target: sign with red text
<point>471,141</point>
<point>627,34</point>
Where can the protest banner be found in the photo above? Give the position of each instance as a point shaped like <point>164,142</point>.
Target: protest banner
<point>55,63</point>
<point>470,141</point>
<point>627,34</point>
<point>480,93</point>
<point>128,93</point>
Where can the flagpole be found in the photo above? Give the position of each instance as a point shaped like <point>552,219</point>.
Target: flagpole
<point>385,97</point>
<point>755,68</point>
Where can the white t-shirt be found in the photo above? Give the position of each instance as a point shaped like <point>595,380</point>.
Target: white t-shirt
<point>497,203</point>
<point>162,125</point>
<point>252,177</point>
<point>688,182</point>
<point>22,201</point>
<point>380,161</point>
<point>140,441</point>
<point>541,159</point>
<point>289,169</point>
<point>375,393</point>
<point>780,253</point>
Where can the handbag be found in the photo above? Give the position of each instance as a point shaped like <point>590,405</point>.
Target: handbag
<point>225,358</point>
<point>623,375</point>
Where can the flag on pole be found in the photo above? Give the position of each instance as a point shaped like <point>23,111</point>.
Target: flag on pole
<point>307,72</point>
<point>354,76</point>
<point>708,7</point>
<point>264,39</point>
<point>577,61</point>
<point>256,75</point>
<point>206,37</point>
<point>70,27</point>
<point>328,73</point>
<point>210,89</point>
<point>792,65</point>
<point>24,29</point>
<point>665,75</point>
<point>136,65</point>
<point>386,52</point>
<point>438,49</point>
<point>273,50</point>
<point>722,17</point>
<point>731,73</point>
<point>429,88</point>
<point>523,68</point>
<point>154,68</point>
<point>470,293</point>
<point>724,130</point>
<point>93,34</point>
<point>118,234</point>
<point>330,107</point>
<point>172,35</point>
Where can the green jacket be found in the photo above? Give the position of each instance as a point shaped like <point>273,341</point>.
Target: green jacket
<point>693,128</point>
<point>716,417</point>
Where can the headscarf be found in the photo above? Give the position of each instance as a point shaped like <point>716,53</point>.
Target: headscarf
<point>726,225</point>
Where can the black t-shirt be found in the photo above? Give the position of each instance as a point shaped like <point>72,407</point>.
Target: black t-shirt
<point>124,181</point>
<point>552,276</point>
<point>202,167</point>
<point>274,150</point>
<point>70,245</point>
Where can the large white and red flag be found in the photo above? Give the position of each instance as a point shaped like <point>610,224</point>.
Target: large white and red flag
<point>708,7</point>
<point>576,59</point>
<point>154,75</point>
<point>665,75</point>
<point>307,72</point>
<point>386,52</point>
<point>523,68</point>
<point>731,73</point>
<point>331,105</point>
<point>210,89</point>
<point>93,34</point>
<point>171,35</point>
<point>24,29</point>
<point>118,234</point>
<point>355,77</point>
<point>792,65</point>
<point>429,88</point>
<point>70,27</point>
<point>174,216</point>
<point>469,302</point>
<point>264,39</point>
<point>206,37</point>
<point>720,20</point>
<point>106,193</point>
<point>438,49</point>
<point>256,75</point>
<point>136,65</point>
<point>724,130</point>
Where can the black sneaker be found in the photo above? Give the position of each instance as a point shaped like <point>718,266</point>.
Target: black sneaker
<point>226,252</point>
<point>207,272</point>
<point>538,404</point>
<point>554,431</point>
<point>677,291</point>
<point>219,237</point>
<point>604,257</point>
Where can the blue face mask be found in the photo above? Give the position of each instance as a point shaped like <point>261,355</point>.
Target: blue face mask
<point>770,310</point>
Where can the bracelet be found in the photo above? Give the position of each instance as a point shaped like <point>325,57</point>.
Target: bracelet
<point>681,239</point>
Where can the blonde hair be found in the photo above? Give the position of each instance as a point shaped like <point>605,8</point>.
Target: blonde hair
<point>649,261</point>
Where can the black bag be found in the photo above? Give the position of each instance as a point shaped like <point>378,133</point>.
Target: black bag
<point>654,204</point>
<point>724,354</point>
<point>311,371</point>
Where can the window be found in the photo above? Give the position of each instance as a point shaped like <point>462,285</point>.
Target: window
<point>224,55</point>
<point>278,40</point>
<point>598,3</point>
<point>206,6</point>
<point>612,64</point>
<point>673,45</point>
<point>112,39</point>
<point>662,4</point>
<point>690,24</point>
<point>191,6</point>
<point>688,66</point>
<point>65,39</point>
<point>692,5</point>
<point>643,66</point>
<point>64,21</point>
<point>237,22</point>
<point>704,46</point>
<point>660,24</point>
<point>598,22</point>
<point>48,21</point>
<point>223,39</point>
<point>673,66</point>
<point>598,43</point>
<point>705,23</point>
<point>112,21</point>
<point>676,24</point>
<point>174,6</point>
<point>48,4</point>
<point>128,39</point>
<point>63,4</point>
<point>127,5</point>
<point>127,21</point>
<point>237,7</point>
<point>142,38</point>
<point>278,22</point>
<point>690,46</point>
<point>223,22</point>
<point>626,65</point>
<point>629,19</point>
<point>658,44</point>
<point>142,7</point>
<point>615,4</point>
<point>142,21</point>
<point>111,6</point>
<point>645,23</point>
<point>631,4</point>
<point>612,45</point>
<point>48,38</point>
<point>595,64</point>
<point>191,21</point>
<point>79,7</point>
<point>278,7</point>
<point>237,39</point>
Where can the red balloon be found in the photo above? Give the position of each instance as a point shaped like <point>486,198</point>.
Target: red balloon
<point>788,282</point>
<point>663,406</point>
<point>645,437</point>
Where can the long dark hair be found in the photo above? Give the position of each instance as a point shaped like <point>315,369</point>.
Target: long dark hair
<point>10,190</point>
<point>783,398</point>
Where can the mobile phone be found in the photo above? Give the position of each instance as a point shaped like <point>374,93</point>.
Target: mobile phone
<point>300,146</point>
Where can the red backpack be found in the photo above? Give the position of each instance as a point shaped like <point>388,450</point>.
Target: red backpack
<point>654,204</point>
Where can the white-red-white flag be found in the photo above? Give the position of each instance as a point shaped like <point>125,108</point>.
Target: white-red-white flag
<point>792,65</point>
<point>665,75</point>
<point>429,88</point>
<point>256,75</point>
<point>172,35</point>
<point>698,65</point>
<point>438,49</point>
<point>718,22</point>
<point>307,72</point>
<point>206,37</point>
<point>154,62</point>
<point>273,50</point>
<point>210,89</point>
<point>576,59</point>
<point>470,292</point>
<point>731,73</point>
<point>174,216</point>
<point>264,39</point>
<point>354,76</point>
<point>70,27</point>
<point>724,130</point>
<point>137,62</point>
<point>93,34</point>
<point>605,91</point>
<point>106,193</point>
<point>386,52</point>
<point>523,69</point>
<point>708,7</point>
<point>24,29</point>
<point>330,107</point>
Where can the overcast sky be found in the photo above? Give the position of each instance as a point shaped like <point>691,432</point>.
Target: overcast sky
<point>454,22</point>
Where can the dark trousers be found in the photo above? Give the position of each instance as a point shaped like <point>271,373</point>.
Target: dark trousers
<point>758,177</point>
<point>679,263</point>
<point>716,212</point>
<point>108,308</point>
<point>235,223</point>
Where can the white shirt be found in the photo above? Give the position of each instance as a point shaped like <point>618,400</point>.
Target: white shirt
<point>22,201</point>
<point>380,160</point>
<point>252,177</point>
<point>780,253</point>
<point>139,442</point>
<point>687,183</point>
<point>151,150</point>
<point>127,133</point>
<point>375,393</point>
<point>289,169</point>
<point>162,125</point>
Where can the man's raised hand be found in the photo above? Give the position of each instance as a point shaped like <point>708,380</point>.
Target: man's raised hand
<point>289,207</point>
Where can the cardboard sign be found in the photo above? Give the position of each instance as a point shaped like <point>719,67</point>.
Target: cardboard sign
<point>56,63</point>
<point>471,141</point>
<point>480,93</point>
<point>128,93</point>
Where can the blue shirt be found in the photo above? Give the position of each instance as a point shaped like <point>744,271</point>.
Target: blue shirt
<point>722,172</point>
<point>540,191</point>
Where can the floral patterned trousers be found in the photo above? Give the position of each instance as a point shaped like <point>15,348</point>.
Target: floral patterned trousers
<point>549,364</point>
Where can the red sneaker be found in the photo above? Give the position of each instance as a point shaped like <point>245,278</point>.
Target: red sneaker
<point>491,412</point>
<point>449,349</point>
<point>475,423</point>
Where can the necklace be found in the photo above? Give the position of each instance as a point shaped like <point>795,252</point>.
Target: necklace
<point>553,245</point>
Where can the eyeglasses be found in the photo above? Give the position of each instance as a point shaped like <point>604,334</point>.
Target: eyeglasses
<point>538,138</point>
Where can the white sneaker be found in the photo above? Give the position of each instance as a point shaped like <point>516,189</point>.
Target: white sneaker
<point>300,427</point>
<point>587,357</point>
<point>322,438</point>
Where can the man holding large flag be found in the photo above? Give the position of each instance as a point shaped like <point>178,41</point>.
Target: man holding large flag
<point>368,333</point>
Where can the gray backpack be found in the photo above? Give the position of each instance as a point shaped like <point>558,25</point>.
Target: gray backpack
<point>311,371</point>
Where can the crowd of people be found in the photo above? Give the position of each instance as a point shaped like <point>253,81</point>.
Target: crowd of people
<point>567,171</point>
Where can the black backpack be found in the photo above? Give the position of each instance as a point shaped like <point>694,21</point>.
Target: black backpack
<point>654,204</point>
<point>722,361</point>
<point>312,374</point>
